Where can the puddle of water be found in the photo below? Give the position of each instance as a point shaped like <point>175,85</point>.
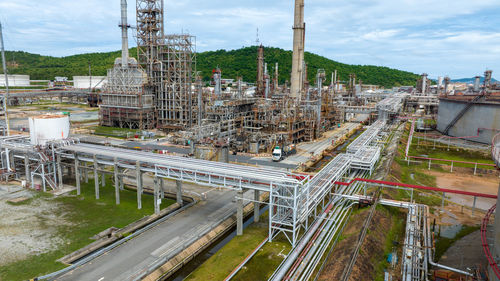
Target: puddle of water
<point>449,231</point>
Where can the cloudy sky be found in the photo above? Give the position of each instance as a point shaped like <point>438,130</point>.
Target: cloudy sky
<point>460,38</point>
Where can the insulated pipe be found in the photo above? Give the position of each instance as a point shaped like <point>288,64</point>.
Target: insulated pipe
<point>280,274</point>
<point>427,237</point>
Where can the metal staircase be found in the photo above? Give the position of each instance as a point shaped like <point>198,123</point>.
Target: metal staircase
<point>462,113</point>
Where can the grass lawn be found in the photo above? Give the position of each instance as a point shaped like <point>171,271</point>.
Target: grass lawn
<point>260,267</point>
<point>396,233</point>
<point>89,217</point>
<point>113,131</point>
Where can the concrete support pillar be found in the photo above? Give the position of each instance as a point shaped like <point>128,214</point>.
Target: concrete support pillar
<point>256,206</point>
<point>96,177</point>
<point>59,171</point>
<point>157,199</point>
<point>27,170</point>
<point>239,213</point>
<point>224,154</point>
<point>162,188</point>
<point>86,173</point>
<point>103,179</point>
<point>178,184</point>
<point>139,184</point>
<point>117,181</point>
<point>77,175</point>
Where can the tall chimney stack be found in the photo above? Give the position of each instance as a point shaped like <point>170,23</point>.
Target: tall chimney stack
<point>124,26</point>
<point>298,50</point>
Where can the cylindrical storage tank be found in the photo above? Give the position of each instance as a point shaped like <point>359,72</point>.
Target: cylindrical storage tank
<point>45,128</point>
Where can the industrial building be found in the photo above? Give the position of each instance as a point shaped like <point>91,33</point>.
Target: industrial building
<point>472,114</point>
<point>89,82</point>
<point>15,80</point>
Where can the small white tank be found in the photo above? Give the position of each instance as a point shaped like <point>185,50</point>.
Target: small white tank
<point>45,128</point>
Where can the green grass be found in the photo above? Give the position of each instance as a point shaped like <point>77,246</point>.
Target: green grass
<point>260,267</point>
<point>89,217</point>
<point>114,132</point>
<point>395,234</point>
<point>426,149</point>
<point>443,243</point>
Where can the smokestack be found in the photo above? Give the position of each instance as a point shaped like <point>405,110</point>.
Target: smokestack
<point>335,81</point>
<point>488,74</point>
<point>124,26</point>
<point>477,83</point>
<point>446,84</point>
<point>298,50</point>
<point>260,72</point>
<point>424,83</point>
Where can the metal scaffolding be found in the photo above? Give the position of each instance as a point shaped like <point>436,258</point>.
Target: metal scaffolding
<point>175,101</point>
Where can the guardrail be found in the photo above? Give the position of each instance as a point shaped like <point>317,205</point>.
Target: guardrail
<point>408,157</point>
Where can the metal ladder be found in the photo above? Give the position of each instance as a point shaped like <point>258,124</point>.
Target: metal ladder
<point>461,113</point>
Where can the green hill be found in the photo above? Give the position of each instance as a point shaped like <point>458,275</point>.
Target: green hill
<point>234,63</point>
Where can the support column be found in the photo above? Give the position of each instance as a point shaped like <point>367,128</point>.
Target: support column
<point>86,173</point>
<point>162,188</point>
<point>117,182</point>
<point>96,178</point>
<point>178,183</point>
<point>239,213</point>
<point>139,184</point>
<point>157,199</point>
<point>27,170</point>
<point>59,171</point>
<point>77,174</point>
<point>103,179</point>
<point>256,206</point>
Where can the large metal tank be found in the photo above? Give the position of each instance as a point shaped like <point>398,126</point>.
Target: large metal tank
<point>45,128</point>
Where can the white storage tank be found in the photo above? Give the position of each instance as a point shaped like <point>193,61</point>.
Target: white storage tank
<point>49,127</point>
<point>84,82</point>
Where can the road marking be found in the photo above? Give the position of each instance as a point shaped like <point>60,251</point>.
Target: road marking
<point>102,278</point>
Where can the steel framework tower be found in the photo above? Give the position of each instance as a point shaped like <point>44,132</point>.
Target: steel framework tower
<point>168,61</point>
<point>126,101</point>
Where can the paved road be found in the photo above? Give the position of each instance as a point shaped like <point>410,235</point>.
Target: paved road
<point>165,240</point>
<point>308,149</point>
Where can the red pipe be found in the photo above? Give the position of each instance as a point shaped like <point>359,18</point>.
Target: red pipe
<point>484,241</point>
<point>475,194</point>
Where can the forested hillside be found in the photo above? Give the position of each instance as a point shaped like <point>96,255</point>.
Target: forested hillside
<point>234,63</point>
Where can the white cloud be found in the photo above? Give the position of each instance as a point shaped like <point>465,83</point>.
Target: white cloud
<point>458,37</point>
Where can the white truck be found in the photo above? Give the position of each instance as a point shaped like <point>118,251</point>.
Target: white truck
<point>277,154</point>
<point>280,153</point>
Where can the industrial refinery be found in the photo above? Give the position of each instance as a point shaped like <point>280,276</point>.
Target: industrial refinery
<point>151,171</point>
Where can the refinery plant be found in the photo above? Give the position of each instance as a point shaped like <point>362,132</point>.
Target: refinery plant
<point>153,172</point>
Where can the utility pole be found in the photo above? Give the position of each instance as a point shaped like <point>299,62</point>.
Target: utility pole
<point>6,96</point>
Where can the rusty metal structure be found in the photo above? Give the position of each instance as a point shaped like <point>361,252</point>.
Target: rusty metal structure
<point>127,102</point>
<point>156,91</point>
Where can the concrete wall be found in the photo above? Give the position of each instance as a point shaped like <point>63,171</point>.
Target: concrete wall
<point>83,82</point>
<point>15,80</point>
<point>484,116</point>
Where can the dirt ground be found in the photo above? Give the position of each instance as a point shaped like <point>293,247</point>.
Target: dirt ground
<point>464,180</point>
<point>27,230</point>
<point>371,252</point>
